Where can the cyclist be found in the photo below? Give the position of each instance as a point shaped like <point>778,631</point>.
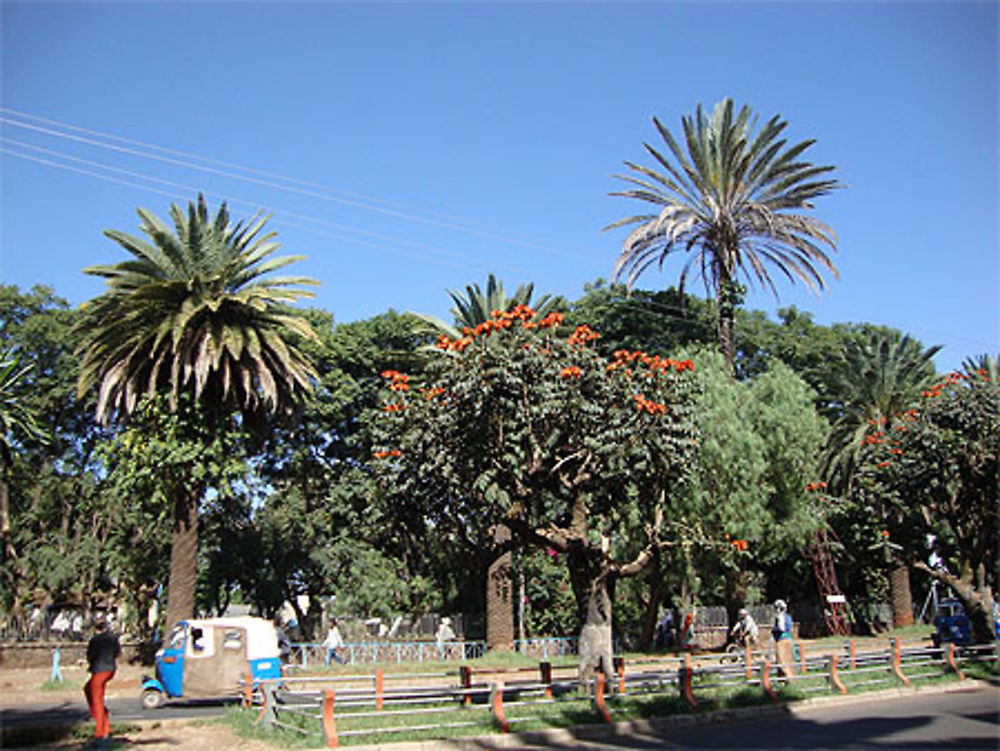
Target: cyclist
<point>744,631</point>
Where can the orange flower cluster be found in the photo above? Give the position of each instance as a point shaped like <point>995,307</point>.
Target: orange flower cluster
<point>874,439</point>
<point>655,363</point>
<point>953,379</point>
<point>815,486</point>
<point>648,405</point>
<point>739,544</point>
<point>387,454</point>
<point>571,371</point>
<point>431,393</point>
<point>499,320</point>
<point>398,381</point>
<point>399,407</point>
<point>582,335</point>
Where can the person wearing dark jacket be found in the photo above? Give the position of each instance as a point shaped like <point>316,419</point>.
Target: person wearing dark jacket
<point>103,650</point>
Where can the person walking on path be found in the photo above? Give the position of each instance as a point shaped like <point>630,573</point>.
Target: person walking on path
<point>333,642</point>
<point>781,632</point>
<point>103,650</point>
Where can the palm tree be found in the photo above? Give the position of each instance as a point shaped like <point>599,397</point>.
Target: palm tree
<point>17,422</point>
<point>195,313</point>
<point>878,379</point>
<point>476,307</point>
<point>732,201</point>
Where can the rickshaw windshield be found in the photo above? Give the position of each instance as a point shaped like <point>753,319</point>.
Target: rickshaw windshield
<point>176,640</point>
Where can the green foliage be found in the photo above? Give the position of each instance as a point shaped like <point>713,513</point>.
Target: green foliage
<point>937,466</point>
<point>549,608</point>
<point>758,447</point>
<point>519,425</point>
<point>636,319</point>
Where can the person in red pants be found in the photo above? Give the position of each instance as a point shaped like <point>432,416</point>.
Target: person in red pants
<point>103,650</point>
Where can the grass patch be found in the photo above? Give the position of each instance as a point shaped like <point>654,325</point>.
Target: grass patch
<point>63,685</point>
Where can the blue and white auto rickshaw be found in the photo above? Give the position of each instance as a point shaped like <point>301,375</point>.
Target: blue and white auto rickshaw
<point>211,657</point>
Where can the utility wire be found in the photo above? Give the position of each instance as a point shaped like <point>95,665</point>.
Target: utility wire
<point>237,201</point>
<point>275,181</point>
<point>243,201</point>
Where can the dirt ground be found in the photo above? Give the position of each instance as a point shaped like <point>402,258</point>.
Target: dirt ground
<point>24,686</point>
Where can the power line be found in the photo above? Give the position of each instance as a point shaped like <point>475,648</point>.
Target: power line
<point>275,181</point>
<point>236,200</point>
<point>243,201</point>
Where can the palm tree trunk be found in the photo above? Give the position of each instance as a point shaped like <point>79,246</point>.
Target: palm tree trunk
<point>725,332</point>
<point>728,295</point>
<point>499,602</point>
<point>183,582</point>
<point>900,595</point>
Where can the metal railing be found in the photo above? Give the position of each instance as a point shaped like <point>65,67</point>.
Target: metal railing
<point>312,654</point>
<point>376,704</point>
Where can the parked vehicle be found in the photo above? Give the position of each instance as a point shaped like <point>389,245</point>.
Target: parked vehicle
<point>211,657</point>
<point>952,624</point>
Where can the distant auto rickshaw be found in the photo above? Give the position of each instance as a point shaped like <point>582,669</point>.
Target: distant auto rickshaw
<point>952,624</point>
<point>211,657</point>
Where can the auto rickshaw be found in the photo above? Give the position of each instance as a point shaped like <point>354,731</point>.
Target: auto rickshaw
<point>952,624</point>
<point>210,657</point>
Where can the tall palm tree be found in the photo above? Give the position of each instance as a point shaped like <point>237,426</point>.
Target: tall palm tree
<point>878,379</point>
<point>732,200</point>
<point>195,313</point>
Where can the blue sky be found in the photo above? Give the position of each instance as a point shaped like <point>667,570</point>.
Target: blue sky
<point>411,148</point>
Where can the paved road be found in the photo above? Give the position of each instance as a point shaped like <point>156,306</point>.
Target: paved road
<point>960,718</point>
<point>122,710</point>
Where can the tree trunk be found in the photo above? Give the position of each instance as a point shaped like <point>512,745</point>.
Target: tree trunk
<point>651,612</point>
<point>899,593</point>
<point>499,602</point>
<point>590,583</point>
<point>725,332</point>
<point>182,586</point>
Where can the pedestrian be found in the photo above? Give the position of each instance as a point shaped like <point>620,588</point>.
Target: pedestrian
<point>781,633</point>
<point>103,650</point>
<point>687,632</point>
<point>445,633</point>
<point>333,642</point>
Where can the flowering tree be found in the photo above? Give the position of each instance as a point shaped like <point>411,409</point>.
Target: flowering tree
<point>516,423</point>
<point>939,463</point>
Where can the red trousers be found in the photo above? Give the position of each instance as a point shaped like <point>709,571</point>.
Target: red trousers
<point>94,691</point>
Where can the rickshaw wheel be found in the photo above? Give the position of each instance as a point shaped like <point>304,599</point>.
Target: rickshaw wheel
<point>151,698</point>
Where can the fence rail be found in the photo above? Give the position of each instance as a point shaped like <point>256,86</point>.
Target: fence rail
<point>311,654</point>
<point>374,704</point>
